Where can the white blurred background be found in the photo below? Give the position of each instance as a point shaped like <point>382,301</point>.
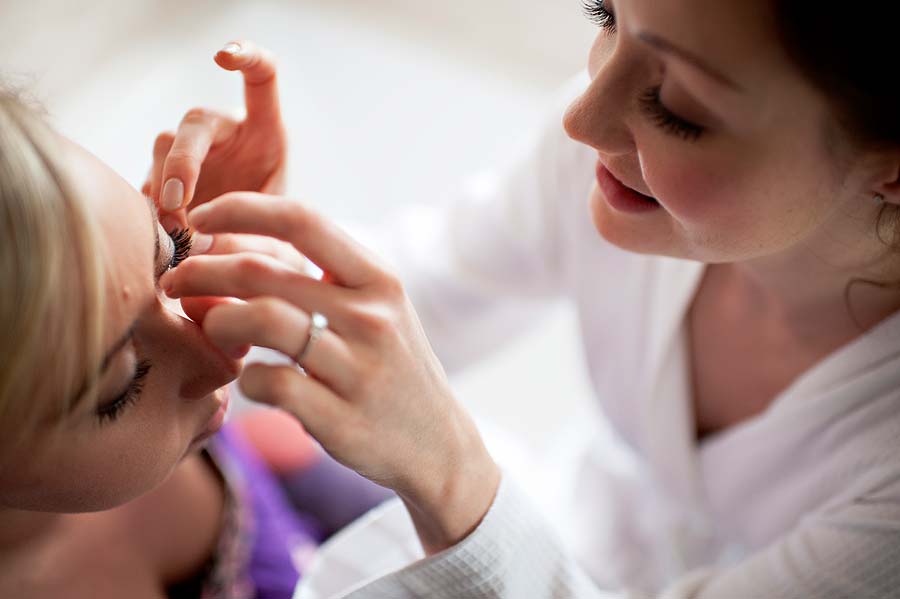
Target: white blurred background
<point>386,101</point>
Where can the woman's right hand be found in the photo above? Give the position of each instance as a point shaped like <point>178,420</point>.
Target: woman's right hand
<point>374,394</point>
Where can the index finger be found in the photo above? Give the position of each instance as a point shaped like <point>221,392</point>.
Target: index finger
<point>347,262</point>
<point>257,65</point>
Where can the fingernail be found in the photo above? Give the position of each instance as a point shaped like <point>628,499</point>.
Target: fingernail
<point>231,48</point>
<point>172,195</point>
<point>200,243</point>
<point>165,283</point>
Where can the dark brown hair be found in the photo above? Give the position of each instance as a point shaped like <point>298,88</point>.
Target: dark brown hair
<point>849,51</point>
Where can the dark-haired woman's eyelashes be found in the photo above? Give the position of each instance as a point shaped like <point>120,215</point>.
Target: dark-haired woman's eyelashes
<point>597,13</point>
<point>110,411</point>
<point>666,120</point>
<point>181,239</point>
<point>652,106</point>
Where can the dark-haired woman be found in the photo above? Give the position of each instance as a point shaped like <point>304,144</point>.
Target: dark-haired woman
<point>736,281</point>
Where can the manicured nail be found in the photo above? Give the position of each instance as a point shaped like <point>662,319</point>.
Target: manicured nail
<point>172,195</point>
<point>232,49</point>
<point>200,243</point>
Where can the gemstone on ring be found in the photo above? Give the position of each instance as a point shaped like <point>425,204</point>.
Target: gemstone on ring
<point>319,321</point>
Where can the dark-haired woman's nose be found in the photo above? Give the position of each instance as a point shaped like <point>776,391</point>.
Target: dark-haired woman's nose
<point>599,117</point>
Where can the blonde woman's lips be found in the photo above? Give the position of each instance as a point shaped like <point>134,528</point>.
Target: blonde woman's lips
<point>216,420</point>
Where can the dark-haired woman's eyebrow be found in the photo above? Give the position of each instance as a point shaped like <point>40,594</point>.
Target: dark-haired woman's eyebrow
<point>668,47</point>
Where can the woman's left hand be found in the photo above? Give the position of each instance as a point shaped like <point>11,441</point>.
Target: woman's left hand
<point>374,394</point>
<point>212,153</point>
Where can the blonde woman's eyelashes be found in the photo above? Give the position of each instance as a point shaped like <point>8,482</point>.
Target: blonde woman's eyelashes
<point>109,412</point>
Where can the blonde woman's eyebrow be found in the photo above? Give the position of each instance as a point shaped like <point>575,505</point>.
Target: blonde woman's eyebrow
<point>116,347</point>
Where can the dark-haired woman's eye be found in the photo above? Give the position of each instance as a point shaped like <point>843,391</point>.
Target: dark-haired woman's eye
<point>181,239</point>
<point>110,411</point>
<point>666,120</point>
<point>599,15</point>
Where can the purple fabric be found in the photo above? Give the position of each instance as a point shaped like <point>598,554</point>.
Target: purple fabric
<point>332,493</point>
<point>279,532</point>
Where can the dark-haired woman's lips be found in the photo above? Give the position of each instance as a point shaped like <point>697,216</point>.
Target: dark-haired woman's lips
<point>621,197</point>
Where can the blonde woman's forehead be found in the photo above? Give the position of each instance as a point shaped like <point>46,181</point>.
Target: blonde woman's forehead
<point>128,238</point>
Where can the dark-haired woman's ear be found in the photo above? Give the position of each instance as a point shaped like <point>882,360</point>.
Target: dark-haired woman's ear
<point>887,187</point>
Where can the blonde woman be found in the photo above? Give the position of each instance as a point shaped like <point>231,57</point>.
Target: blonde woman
<point>108,394</point>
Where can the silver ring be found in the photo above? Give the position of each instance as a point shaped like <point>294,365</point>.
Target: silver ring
<point>318,324</point>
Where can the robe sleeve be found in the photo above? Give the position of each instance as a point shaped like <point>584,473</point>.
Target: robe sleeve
<point>846,551</point>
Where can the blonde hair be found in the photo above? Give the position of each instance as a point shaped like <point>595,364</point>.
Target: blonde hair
<point>51,302</point>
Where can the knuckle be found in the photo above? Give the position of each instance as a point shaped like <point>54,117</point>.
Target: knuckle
<point>251,266</point>
<point>362,388</point>
<point>181,166</point>
<point>224,244</point>
<point>268,315</point>
<point>230,200</point>
<point>279,384</point>
<point>162,142</point>
<point>197,115</point>
<point>180,158</point>
<point>370,320</point>
<point>299,218</point>
<point>392,287</point>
